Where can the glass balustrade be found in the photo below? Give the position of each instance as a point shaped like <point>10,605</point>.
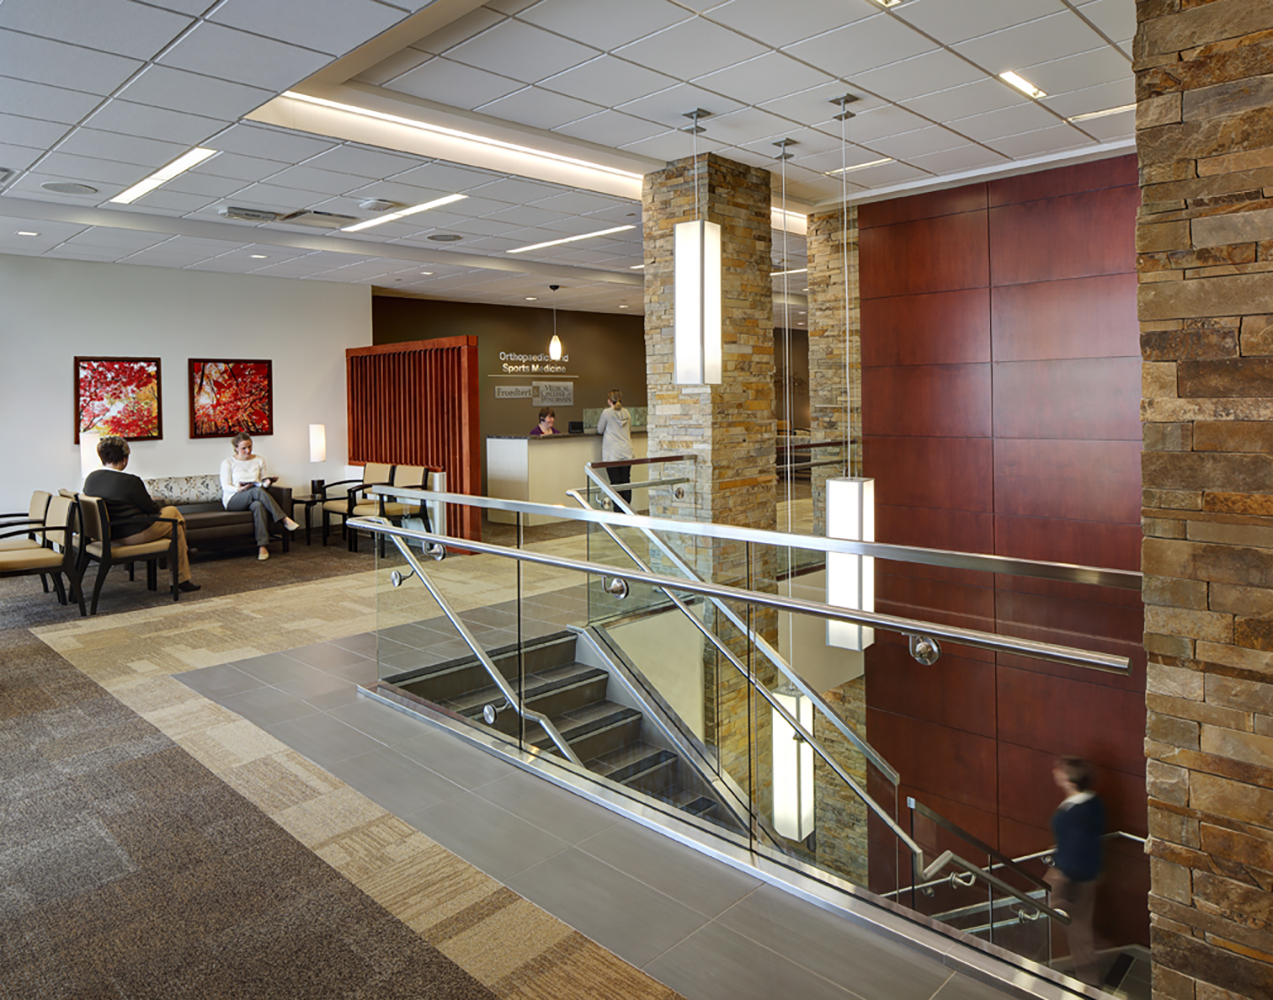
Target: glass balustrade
<point>747,711</point>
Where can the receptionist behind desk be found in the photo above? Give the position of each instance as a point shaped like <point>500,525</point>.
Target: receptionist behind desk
<point>545,426</point>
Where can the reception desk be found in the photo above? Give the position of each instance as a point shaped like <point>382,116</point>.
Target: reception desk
<point>541,469</point>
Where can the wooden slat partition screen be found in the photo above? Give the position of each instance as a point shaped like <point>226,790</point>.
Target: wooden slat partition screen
<point>416,404</point>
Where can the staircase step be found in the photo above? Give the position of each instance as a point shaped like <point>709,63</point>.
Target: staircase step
<point>566,683</point>
<point>694,803</point>
<point>638,765</point>
<point>600,724</point>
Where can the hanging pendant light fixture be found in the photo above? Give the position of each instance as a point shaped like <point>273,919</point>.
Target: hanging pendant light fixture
<point>554,345</point>
<point>696,255</point>
<point>850,500</point>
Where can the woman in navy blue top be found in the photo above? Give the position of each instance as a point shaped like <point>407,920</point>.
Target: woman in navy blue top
<point>1078,825</point>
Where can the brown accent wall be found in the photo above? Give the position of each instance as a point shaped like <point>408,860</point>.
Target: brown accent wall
<point>1000,392</point>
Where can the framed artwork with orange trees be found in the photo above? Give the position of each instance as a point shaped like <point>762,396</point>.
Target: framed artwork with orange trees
<point>230,396</point>
<point>118,396</point>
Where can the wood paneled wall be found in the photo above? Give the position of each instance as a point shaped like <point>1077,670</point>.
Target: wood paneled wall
<point>1000,399</point>
<point>417,404</point>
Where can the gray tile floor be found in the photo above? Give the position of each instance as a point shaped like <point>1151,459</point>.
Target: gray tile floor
<point>707,930</point>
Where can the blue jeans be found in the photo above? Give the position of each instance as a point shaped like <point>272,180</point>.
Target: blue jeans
<point>265,509</point>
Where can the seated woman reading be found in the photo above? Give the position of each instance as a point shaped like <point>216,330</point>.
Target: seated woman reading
<point>243,487</point>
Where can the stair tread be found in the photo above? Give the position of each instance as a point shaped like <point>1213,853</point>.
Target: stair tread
<point>581,722</point>
<point>538,685</point>
<point>638,757</point>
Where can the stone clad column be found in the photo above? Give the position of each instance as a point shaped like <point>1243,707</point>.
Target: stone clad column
<point>731,427</point>
<point>1204,77</point>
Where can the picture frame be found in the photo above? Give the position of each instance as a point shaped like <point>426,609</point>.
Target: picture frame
<point>230,395</point>
<point>119,396</point>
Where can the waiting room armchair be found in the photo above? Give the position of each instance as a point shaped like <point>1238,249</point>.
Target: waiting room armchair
<point>13,524</point>
<point>53,554</point>
<point>356,497</point>
<point>96,545</point>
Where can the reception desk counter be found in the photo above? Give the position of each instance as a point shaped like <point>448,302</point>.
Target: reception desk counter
<point>541,469</point>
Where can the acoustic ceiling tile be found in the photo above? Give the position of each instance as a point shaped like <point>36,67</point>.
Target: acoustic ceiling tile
<point>1078,72</point>
<point>513,190</point>
<point>668,107</point>
<point>1111,127</point>
<point>119,239</point>
<point>1030,43</point>
<point>238,166</point>
<point>127,118</point>
<point>690,49</point>
<point>611,128</point>
<point>582,202</point>
<point>608,81</point>
<point>763,78</point>
<point>274,198</point>
<point>42,60</point>
<point>672,145</point>
<point>1024,117</point>
<point>165,87</point>
<point>539,108</point>
<point>918,75</point>
<point>877,123</point>
<point>19,131</point>
<point>1054,139</point>
<point>194,182</point>
<point>388,70</point>
<point>782,24</point>
<point>818,106</point>
<point>605,23</point>
<point>862,45</point>
<point>957,22</point>
<point>224,53</point>
<point>307,178</point>
<point>70,167</point>
<point>269,143</point>
<point>1115,18</point>
<point>459,30</point>
<point>39,100</point>
<point>521,51</point>
<point>453,83</point>
<point>149,153</point>
<point>117,26</point>
<point>970,99</point>
<point>1099,98</point>
<point>174,202</point>
<point>331,26</point>
<point>364,162</point>
<point>968,157</point>
<point>446,177</point>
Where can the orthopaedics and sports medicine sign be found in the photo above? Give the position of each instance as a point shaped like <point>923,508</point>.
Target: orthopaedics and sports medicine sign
<point>512,363</point>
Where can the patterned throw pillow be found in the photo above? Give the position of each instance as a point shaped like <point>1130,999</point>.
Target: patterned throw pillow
<point>179,490</point>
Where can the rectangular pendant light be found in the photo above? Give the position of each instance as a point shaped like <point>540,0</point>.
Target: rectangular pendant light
<point>697,303</point>
<point>793,767</point>
<point>850,579</point>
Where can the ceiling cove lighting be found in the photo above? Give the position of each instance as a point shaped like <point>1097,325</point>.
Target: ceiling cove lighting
<point>571,239</point>
<point>164,174</point>
<point>458,134</point>
<point>1022,84</point>
<point>1101,114</point>
<point>859,166</point>
<point>403,213</point>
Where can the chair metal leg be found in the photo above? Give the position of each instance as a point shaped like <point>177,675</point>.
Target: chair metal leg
<point>326,525</point>
<point>152,574</point>
<point>132,576</point>
<point>57,584</point>
<point>44,579</point>
<point>102,570</point>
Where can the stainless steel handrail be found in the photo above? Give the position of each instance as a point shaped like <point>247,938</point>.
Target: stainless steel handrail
<point>903,626</point>
<point>1064,572</point>
<point>920,872</point>
<point>501,682</point>
<point>1003,860</point>
<point>1046,855</point>
<point>768,651</point>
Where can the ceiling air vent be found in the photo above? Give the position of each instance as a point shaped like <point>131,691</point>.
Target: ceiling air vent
<point>246,214</point>
<point>319,220</point>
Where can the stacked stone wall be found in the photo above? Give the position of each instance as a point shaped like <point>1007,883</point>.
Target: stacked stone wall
<point>1204,77</point>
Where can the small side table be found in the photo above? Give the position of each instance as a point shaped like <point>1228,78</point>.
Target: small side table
<point>310,501</point>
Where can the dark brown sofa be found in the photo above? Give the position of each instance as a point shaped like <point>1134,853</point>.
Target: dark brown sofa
<point>207,521</point>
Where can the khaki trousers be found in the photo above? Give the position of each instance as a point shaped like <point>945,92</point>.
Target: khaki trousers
<point>163,529</point>
<point>1078,899</point>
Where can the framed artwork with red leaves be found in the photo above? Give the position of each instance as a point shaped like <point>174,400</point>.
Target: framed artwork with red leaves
<point>118,396</point>
<point>230,396</point>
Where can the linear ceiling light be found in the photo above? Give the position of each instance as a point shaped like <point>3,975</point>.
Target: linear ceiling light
<point>164,174</point>
<point>798,270</point>
<point>571,239</point>
<point>859,166</point>
<point>403,213</point>
<point>1022,84</point>
<point>636,267</point>
<point>456,133</point>
<point>1101,114</point>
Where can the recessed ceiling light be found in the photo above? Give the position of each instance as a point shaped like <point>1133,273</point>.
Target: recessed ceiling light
<point>426,272</point>
<point>636,267</point>
<point>571,239</point>
<point>68,187</point>
<point>797,270</point>
<point>860,166</point>
<point>1022,84</point>
<point>259,256</point>
<point>26,232</point>
<point>804,289</point>
<point>403,213</point>
<point>623,307</point>
<point>1101,114</point>
<point>532,298</point>
<point>446,237</point>
<point>164,174</point>
<point>886,4</point>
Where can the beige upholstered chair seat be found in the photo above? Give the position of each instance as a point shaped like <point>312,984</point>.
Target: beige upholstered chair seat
<point>122,553</point>
<point>35,558</point>
<point>18,544</point>
<point>391,510</point>
<point>337,506</point>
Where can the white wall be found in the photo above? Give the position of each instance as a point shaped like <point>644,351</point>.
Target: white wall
<point>53,310</point>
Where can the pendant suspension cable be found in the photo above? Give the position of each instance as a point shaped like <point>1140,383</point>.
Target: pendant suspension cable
<point>844,116</point>
<point>788,375</point>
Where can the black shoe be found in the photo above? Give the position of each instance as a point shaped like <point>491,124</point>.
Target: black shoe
<point>188,586</point>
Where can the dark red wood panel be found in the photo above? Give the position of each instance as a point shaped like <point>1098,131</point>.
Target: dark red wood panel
<point>1091,398</point>
<point>1076,623</point>
<point>936,329</point>
<point>927,400</point>
<point>1069,237</point>
<point>1030,797</point>
<point>933,600</point>
<point>1113,546</point>
<point>928,255</point>
<point>935,528</point>
<point>969,198</point>
<point>937,759</point>
<point>1076,480</point>
<point>978,822</point>
<point>952,473</point>
<point>1117,171</point>
<point>960,694</point>
<point>1076,318</point>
